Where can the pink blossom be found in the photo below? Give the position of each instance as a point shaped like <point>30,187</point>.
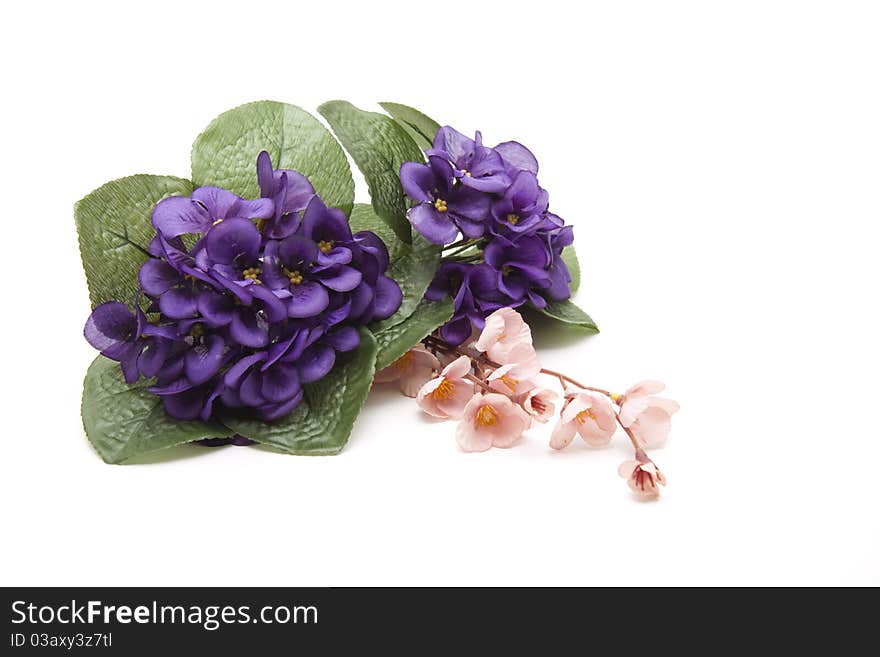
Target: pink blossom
<point>446,395</point>
<point>642,475</point>
<point>516,377</point>
<point>587,414</point>
<point>411,371</point>
<point>491,420</point>
<point>539,403</point>
<point>504,331</point>
<point>647,416</point>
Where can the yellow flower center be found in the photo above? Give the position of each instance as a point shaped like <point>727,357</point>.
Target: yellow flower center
<point>217,221</point>
<point>506,269</point>
<point>486,417</point>
<point>466,173</point>
<point>445,390</point>
<point>583,416</point>
<point>440,205</point>
<point>252,274</point>
<point>196,331</point>
<point>512,219</point>
<point>510,382</point>
<point>326,246</point>
<point>294,277</point>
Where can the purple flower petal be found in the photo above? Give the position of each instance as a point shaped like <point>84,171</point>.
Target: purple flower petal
<point>307,299</point>
<point>249,329</point>
<point>152,359</point>
<point>215,307</point>
<point>297,252</point>
<point>321,223</point>
<point>342,279</point>
<point>456,330</point>
<point>387,299</point>
<point>418,181</point>
<point>178,215</point>
<point>233,241</point>
<point>109,324</point>
<point>179,303</point>
<point>250,389</point>
<point>272,412</point>
<point>156,276</point>
<point>343,339</point>
<point>435,226</point>
<point>203,361</point>
<point>233,375</point>
<point>454,145</point>
<point>517,156</point>
<point>185,405</point>
<point>275,309</point>
<point>280,382</point>
<point>315,363</point>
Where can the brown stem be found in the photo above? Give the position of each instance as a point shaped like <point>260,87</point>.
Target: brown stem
<point>482,384</point>
<point>562,377</point>
<point>637,445</point>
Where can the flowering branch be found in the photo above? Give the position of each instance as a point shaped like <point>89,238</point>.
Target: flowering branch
<point>488,383</point>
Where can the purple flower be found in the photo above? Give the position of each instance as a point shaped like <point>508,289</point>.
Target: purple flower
<point>475,294</point>
<point>475,165</point>
<point>443,207</point>
<point>521,266</point>
<point>178,215</point>
<point>517,158</point>
<point>560,277</point>
<point>290,193</point>
<point>251,312</point>
<point>521,210</point>
<point>113,330</point>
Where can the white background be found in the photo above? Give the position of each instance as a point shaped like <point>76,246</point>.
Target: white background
<point>720,162</point>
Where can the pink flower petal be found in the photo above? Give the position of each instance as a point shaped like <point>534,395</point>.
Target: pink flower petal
<point>457,368</point>
<point>411,383</point>
<point>562,435</point>
<point>646,387</point>
<point>652,427</point>
<point>388,374</point>
<point>453,405</point>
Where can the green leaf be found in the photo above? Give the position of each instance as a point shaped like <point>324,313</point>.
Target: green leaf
<point>412,265</point>
<point>225,154</point>
<point>378,145</point>
<point>113,224</point>
<point>570,258</point>
<point>394,341</point>
<point>566,311</point>
<point>122,421</point>
<point>322,423</point>
<point>420,127</point>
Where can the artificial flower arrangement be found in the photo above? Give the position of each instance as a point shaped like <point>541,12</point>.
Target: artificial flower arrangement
<point>257,303</point>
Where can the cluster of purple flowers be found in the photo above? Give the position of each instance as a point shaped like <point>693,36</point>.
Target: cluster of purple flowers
<point>511,249</point>
<point>260,303</point>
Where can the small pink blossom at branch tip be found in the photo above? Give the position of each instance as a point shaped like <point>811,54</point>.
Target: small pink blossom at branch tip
<point>504,330</point>
<point>647,416</point>
<point>587,414</point>
<point>491,420</point>
<point>643,477</point>
<point>411,371</point>
<point>540,403</point>
<point>446,396</point>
